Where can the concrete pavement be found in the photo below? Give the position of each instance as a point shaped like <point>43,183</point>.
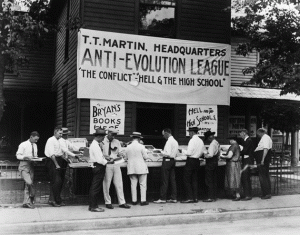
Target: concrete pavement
<point>46,219</point>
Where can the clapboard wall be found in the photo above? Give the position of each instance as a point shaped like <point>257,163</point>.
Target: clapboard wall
<point>203,20</point>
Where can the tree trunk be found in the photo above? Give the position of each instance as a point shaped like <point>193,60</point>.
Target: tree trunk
<point>2,100</point>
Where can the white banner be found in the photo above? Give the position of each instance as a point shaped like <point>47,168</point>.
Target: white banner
<point>127,67</point>
<point>205,117</point>
<point>106,114</point>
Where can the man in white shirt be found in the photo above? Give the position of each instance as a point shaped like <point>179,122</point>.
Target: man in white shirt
<point>26,152</point>
<point>211,166</point>
<point>262,155</point>
<point>99,162</point>
<point>168,168</point>
<point>66,146</point>
<point>56,166</point>
<point>111,149</point>
<point>190,172</point>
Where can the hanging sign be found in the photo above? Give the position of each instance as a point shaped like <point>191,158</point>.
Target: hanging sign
<point>106,114</point>
<point>205,117</point>
<point>127,67</point>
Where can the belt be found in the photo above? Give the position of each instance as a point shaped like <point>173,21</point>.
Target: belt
<point>168,158</point>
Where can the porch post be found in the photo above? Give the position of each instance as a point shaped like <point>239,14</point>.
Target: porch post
<point>294,148</point>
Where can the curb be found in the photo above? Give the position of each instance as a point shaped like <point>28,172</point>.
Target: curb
<point>143,221</point>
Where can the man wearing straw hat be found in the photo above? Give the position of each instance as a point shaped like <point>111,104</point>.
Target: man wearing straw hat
<point>99,165</point>
<point>194,151</point>
<point>111,150</point>
<point>137,168</point>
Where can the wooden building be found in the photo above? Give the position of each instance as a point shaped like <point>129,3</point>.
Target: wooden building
<point>204,21</point>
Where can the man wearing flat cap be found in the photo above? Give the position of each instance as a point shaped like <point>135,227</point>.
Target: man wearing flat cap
<point>212,158</point>
<point>194,151</point>
<point>111,150</point>
<point>99,165</point>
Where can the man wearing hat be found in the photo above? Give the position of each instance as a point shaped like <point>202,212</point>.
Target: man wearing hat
<point>26,152</point>
<point>190,172</point>
<point>212,158</point>
<point>137,168</point>
<point>111,149</point>
<point>99,165</point>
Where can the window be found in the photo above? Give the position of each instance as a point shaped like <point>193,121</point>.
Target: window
<point>64,105</point>
<point>157,18</point>
<point>67,31</point>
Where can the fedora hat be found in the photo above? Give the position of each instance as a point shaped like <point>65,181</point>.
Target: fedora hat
<point>100,131</point>
<point>208,134</point>
<point>193,128</point>
<point>136,134</point>
<point>112,130</point>
<point>65,131</point>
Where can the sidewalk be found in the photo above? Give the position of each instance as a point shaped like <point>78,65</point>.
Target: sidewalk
<point>46,219</point>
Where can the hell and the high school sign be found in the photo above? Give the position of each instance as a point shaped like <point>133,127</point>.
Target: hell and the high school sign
<point>125,67</point>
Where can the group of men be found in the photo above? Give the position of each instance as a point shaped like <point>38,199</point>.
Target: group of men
<point>105,149</point>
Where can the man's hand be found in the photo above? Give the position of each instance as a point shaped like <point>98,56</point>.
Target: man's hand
<point>110,161</point>
<point>27,159</point>
<point>262,163</point>
<point>57,167</point>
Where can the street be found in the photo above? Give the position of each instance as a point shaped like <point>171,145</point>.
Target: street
<point>267,226</point>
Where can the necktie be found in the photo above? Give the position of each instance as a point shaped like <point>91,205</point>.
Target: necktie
<point>32,150</point>
<point>109,149</point>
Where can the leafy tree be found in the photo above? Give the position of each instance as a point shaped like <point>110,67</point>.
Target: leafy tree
<point>272,28</point>
<point>21,32</point>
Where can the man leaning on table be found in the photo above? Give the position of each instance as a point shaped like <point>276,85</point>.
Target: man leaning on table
<point>26,152</point>
<point>194,151</point>
<point>168,168</point>
<point>111,150</point>
<point>262,155</point>
<point>99,165</point>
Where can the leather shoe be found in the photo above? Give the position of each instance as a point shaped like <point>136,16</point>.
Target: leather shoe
<point>266,197</point>
<point>109,206</point>
<point>32,200</point>
<point>124,206</point>
<point>27,205</point>
<point>54,204</point>
<point>62,204</point>
<point>134,203</point>
<point>187,201</point>
<point>195,200</point>
<point>209,200</point>
<point>96,209</point>
<point>236,199</point>
<point>145,203</point>
<point>246,199</point>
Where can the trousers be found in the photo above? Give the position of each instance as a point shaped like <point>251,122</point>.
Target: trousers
<point>190,178</point>
<point>27,174</point>
<point>246,178</point>
<point>142,179</point>
<point>263,172</point>
<point>113,173</point>
<point>57,177</point>
<point>96,185</point>
<point>168,176</point>
<point>211,176</point>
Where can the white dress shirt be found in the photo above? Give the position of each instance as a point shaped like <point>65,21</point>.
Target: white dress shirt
<point>66,146</point>
<point>264,143</point>
<point>25,150</point>
<point>53,147</point>
<point>114,143</point>
<point>96,154</point>
<point>214,149</point>
<point>171,147</point>
<point>195,147</point>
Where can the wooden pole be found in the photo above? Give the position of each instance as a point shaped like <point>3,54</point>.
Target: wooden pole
<point>294,148</point>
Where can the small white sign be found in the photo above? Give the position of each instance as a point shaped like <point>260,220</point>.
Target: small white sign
<point>107,114</point>
<point>205,117</point>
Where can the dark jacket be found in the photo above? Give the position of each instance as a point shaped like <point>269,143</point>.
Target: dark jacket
<point>248,149</point>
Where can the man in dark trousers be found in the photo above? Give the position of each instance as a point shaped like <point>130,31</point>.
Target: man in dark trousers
<point>247,160</point>
<point>262,155</point>
<point>212,158</point>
